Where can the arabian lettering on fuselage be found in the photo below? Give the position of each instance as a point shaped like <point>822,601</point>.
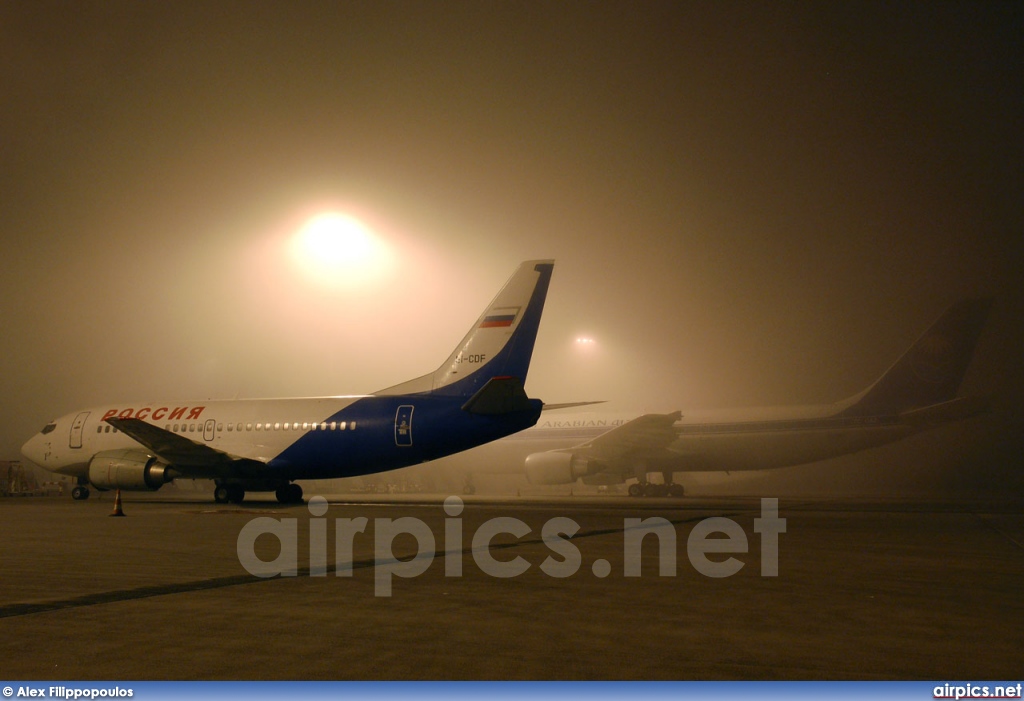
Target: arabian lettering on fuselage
<point>158,414</point>
<point>582,423</point>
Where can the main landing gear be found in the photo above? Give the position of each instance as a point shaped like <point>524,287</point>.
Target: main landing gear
<point>289,494</point>
<point>643,488</point>
<point>235,493</point>
<point>225,493</point>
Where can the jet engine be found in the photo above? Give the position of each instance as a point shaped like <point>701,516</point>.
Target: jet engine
<point>556,467</point>
<point>128,469</point>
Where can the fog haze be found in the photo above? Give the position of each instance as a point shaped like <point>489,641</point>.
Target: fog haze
<point>748,203</point>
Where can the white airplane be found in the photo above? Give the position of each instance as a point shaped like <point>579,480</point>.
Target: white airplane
<point>917,393</point>
<point>475,396</point>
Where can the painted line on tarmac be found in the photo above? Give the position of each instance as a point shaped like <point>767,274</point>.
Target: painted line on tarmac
<point>986,521</point>
<point>110,597</point>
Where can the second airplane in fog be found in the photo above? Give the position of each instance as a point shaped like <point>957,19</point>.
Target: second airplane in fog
<point>476,396</point>
<point>917,393</point>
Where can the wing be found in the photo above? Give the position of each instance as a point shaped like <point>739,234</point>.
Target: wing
<point>629,450</point>
<point>189,457</point>
<point>645,437</point>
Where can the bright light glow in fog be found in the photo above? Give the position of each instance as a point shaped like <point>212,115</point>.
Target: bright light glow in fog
<point>337,249</point>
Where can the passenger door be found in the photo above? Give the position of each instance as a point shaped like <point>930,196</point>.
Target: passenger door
<point>77,426</point>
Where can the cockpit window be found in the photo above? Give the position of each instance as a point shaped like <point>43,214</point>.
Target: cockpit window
<point>49,427</point>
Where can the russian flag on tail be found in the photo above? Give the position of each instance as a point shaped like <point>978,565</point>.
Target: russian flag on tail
<point>500,318</point>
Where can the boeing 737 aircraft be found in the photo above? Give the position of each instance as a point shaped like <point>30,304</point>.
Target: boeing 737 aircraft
<point>917,393</point>
<point>475,396</point>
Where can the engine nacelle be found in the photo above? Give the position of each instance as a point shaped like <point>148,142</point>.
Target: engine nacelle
<point>127,469</point>
<point>555,467</point>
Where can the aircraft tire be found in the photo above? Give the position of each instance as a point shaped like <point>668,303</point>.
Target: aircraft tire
<point>676,490</point>
<point>636,490</point>
<point>80,493</point>
<point>289,494</point>
<point>236,495</point>
<point>220,494</point>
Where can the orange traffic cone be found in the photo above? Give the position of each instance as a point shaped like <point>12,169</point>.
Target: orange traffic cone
<point>117,504</point>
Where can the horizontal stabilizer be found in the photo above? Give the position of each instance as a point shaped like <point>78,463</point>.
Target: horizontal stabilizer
<point>954,410</point>
<point>501,395</point>
<point>569,405</point>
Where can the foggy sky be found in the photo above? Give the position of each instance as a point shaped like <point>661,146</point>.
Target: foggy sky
<point>748,203</point>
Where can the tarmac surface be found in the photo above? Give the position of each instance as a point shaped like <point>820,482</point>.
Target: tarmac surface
<point>864,590</point>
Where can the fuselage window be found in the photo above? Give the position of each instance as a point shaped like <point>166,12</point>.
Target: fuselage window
<point>333,425</point>
<point>231,427</point>
<point>259,426</point>
<point>248,427</point>
<point>352,426</point>
<point>99,429</point>
<point>191,428</point>
<point>220,427</point>
<point>342,425</point>
<point>295,426</point>
<point>277,426</point>
<point>286,424</point>
<point>323,426</point>
<point>175,429</point>
<point>305,425</point>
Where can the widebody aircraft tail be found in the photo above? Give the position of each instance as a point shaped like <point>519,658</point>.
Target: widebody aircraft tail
<point>498,345</point>
<point>931,371</point>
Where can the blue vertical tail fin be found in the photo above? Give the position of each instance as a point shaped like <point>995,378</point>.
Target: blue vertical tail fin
<point>498,345</point>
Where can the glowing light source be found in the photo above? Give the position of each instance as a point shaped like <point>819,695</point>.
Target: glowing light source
<point>338,249</point>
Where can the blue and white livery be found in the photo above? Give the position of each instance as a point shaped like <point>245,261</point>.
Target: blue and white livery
<point>474,397</point>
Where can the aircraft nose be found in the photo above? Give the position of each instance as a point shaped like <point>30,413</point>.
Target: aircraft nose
<point>33,450</point>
